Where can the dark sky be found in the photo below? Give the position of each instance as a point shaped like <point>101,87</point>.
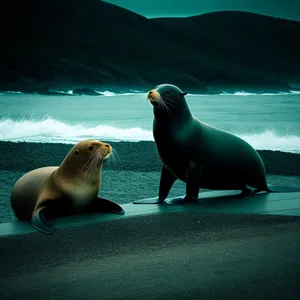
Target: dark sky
<point>288,9</point>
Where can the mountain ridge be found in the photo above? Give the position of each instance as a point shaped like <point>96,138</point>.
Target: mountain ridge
<point>67,44</point>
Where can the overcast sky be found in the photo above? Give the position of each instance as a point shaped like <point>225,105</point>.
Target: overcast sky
<point>288,9</point>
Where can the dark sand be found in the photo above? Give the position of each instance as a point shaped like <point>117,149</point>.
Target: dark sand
<point>132,173</point>
<point>170,256</point>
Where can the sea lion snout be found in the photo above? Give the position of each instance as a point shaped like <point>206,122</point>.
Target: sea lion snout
<point>106,150</point>
<point>153,96</point>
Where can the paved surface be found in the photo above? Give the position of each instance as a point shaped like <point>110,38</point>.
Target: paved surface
<point>165,256</point>
<point>209,202</point>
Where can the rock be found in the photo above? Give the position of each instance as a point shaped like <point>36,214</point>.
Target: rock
<point>86,91</point>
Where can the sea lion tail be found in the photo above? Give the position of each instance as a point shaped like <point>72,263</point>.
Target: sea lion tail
<point>282,189</point>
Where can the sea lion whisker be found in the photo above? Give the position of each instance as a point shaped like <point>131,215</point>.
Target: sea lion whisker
<point>86,171</point>
<point>93,163</point>
<point>90,161</point>
<point>160,105</point>
<point>114,156</point>
<point>97,161</point>
<point>168,101</point>
<point>87,162</point>
<point>90,167</point>
<point>164,106</point>
<point>144,98</point>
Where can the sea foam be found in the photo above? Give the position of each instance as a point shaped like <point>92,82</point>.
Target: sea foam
<point>55,131</point>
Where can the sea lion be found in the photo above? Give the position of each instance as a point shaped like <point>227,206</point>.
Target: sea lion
<point>199,154</point>
<point>71,188</point>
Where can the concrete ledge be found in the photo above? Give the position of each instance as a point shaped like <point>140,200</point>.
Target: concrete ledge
<point>284,204</point>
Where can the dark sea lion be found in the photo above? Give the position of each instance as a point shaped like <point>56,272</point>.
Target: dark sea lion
<point>72,188</point>
<point>200,155</point>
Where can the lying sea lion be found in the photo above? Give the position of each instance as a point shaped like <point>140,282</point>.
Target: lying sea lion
<point>200,155</point>
<point>72,188</point>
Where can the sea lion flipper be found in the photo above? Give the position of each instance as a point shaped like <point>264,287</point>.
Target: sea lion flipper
<point>248,191</point>
<point>105,205</point>
<point>194,174</point>
<point>166,182</point>
<point>39,222</point>
<point>193,180</point>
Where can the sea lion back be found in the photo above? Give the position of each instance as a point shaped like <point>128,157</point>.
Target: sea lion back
<point>26,191</point>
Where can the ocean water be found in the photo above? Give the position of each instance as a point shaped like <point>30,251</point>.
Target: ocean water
<point>268,121</point>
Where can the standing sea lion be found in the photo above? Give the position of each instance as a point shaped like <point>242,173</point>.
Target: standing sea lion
<point>71,188</point>
<point>199,154</point>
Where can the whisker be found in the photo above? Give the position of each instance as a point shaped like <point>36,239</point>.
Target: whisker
<point>87,162</point>
<point>168,100</point>
<point>88,169</point>
<point>142,99</point>
<point>114,157</point>
<point>90,163</point>
<point>93,164</point>
<point>165,106</point>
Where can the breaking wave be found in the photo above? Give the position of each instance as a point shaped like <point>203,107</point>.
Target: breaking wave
<point>55,131</point>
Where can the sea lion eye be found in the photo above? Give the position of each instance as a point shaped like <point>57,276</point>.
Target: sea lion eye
<point>168,93</point>
<point>76,152</point>
<point>90,148</point>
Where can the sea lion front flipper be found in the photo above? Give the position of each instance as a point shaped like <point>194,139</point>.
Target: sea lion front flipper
<point>105,205</point>
<point>193,180</point>
<point>39,222</point>
<point>248,191</point>
<point>194,175</point>
<point>166,182</point>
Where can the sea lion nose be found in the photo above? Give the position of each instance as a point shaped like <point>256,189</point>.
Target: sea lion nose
<point>150,92</point>
<point>106,145</point>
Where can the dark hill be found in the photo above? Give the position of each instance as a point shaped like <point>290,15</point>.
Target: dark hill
<point>262,45</point>
<point>75,43</point>
<point>80,42</point>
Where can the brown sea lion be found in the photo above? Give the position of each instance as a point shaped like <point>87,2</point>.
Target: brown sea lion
<point>71,188</point>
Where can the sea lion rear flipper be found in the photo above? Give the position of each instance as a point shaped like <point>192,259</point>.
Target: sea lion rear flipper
<point>166,182</point>
<point>105,205</point>
<point>39,222</point>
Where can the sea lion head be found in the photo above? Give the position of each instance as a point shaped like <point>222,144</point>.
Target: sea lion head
<point>167,98</point>
<point>86,156</point>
